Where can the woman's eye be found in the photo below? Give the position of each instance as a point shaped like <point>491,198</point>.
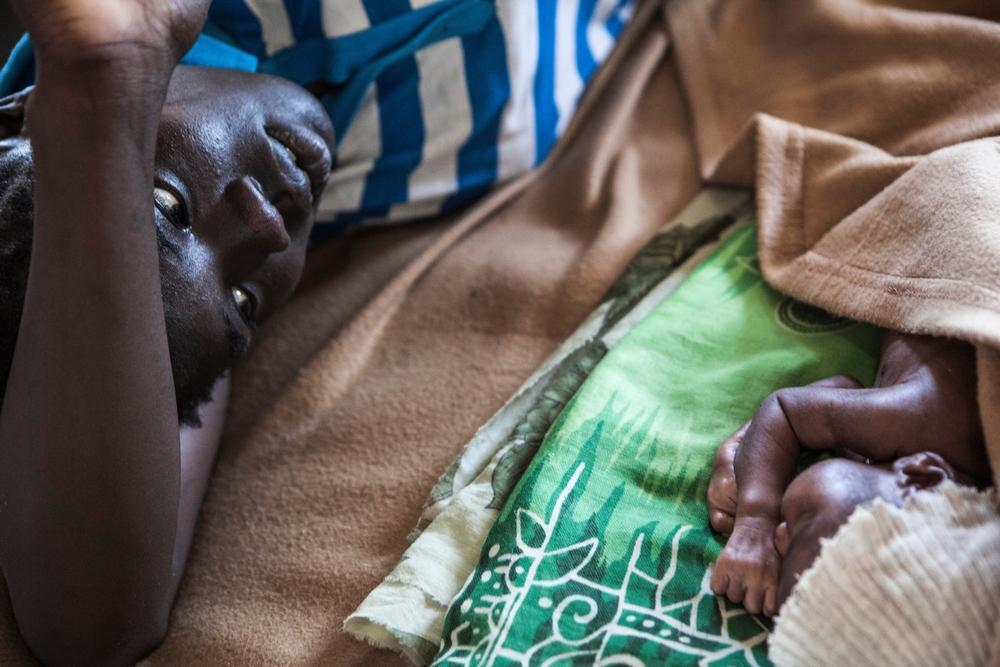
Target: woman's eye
<point>171,207</point>
<point>245,303</point>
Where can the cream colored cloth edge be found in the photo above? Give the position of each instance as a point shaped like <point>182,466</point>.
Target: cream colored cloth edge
<point>421,605</point>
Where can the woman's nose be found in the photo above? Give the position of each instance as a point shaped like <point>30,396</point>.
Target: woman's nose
<point>252,223</point>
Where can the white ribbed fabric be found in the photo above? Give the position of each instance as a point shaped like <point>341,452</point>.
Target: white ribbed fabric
<point>917,586</point>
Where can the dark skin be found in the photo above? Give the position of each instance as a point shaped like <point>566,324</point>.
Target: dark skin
<point>917,426</point>
<point>101,484</point>
<point>821,499</point>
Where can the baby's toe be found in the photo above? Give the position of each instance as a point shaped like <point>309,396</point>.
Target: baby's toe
<point>722,492</point>
<point>722,522</point>
<point>737,590</point>
<point>771,601</point>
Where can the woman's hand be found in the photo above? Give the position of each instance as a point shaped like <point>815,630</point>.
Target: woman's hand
<point>70,34</point>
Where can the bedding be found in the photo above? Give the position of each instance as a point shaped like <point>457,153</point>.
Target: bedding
<point>871,148</point>
<point>869,132</point>
<point>404,341</point>
<point>405,612</point>
<point>894,230</point>
<point>603,553</point>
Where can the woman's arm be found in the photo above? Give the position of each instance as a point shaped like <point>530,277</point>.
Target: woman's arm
<point>89,440</point>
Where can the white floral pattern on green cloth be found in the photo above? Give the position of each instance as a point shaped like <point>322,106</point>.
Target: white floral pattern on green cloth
<point>647,604</point>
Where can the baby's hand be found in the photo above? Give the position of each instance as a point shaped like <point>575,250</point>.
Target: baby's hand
<point>747,570</point>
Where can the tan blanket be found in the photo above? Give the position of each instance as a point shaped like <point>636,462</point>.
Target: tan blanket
<point>404,341</point>
<point>875,199</point>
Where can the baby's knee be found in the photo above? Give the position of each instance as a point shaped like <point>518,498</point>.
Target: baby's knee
<point>831,489</point>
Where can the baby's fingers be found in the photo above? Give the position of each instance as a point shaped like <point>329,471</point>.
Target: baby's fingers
<point>729,580</point>
<point>737,589</point>
<point>754,598</point>
<point>761,594</point>
<point>771,601</point>
<point>720,580</point>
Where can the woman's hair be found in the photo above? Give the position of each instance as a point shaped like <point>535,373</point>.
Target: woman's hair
<point>16,213</point>
<point>17,186</point>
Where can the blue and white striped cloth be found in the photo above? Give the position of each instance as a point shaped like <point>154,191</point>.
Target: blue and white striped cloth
<point>433,101</point>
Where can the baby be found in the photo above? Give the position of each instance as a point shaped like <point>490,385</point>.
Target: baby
<point>917,426</point>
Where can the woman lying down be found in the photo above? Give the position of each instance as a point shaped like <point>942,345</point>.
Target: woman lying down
<point>166,211</point>
<point>917,427</point>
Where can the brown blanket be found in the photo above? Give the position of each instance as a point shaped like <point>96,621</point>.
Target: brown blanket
<point>403,341</point>
<point>874,149</point>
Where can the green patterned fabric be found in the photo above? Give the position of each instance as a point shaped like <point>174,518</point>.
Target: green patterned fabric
<point>602,555</point>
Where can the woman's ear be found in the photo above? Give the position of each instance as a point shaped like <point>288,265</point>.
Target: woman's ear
<point>922,471</point>
<point>13,113</point>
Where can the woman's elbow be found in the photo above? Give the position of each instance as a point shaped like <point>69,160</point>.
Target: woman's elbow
<point>92,636</point>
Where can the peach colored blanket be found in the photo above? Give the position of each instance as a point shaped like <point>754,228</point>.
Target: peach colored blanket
<point>871,134</point>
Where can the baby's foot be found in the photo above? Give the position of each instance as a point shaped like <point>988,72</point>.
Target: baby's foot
<point>722,487</point>
<point>747,570</point>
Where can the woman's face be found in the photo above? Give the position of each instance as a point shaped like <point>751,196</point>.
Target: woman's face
<point>240,161</point>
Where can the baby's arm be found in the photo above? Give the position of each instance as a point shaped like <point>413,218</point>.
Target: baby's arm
<point>923,401</point>
<point>828,414</point>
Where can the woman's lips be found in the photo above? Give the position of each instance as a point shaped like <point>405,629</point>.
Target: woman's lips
<point>311,155</point>
<point>291,185</point>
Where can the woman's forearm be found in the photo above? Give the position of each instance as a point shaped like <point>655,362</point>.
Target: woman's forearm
<point>89,458</point>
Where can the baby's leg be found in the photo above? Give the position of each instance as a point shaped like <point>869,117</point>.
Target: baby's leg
<point>817,503</point>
